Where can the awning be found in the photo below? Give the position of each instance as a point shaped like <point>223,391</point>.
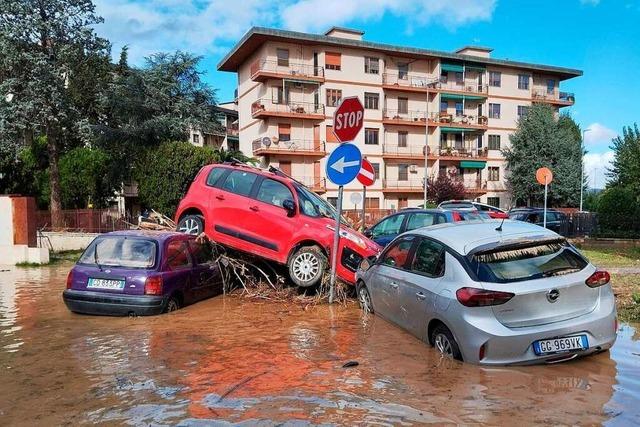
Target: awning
<point>472,164</point>
<point>456,68</point>
<point>447,129</point>
<point>458,97</point>
<point>475,67</point>
<point>305,82</point>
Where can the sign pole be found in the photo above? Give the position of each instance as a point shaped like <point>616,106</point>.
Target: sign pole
<point>364,204</point>
<point>334,252</point>
<point>546,183</point>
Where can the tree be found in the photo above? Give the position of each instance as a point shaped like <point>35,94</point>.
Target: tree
<point>542,140</point>
<point>85,178</point>
<point>50,57</point>
<point>619,212</point>
<point>625,169</point>
<point>444,188</point>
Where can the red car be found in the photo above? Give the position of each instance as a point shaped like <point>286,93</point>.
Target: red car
<point>269,214</point>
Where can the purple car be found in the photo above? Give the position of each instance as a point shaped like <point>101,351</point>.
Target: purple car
<point>141,273</point>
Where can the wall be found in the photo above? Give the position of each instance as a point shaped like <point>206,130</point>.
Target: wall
<point>65,241</point>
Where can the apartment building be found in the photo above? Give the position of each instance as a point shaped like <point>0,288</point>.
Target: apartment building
<point>425,111</point>
<point>225,135</point>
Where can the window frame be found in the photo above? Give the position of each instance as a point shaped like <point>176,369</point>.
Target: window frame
<point>189,264</point>
<point>405,103</point>
<point>278,58</point>
<point>520,108</point>
<point>259,185</point>
<point>410,238</point>
<point>335,67</point>
<point>403,138</point>
<point>369,131</point>
<point>553,88</point>
<point>403,220</point>
<point>492,112</point>
<point>443,257</point>
<point>371,98</point>
<point>405,170</point>
<point>493,173</point>
<point>368,62</point>
<point>495,79</point>
<point>489,142</point>
<point>523,81</point>
<point>334,95</point>
<point>253,186</point>
<point>489,199</point>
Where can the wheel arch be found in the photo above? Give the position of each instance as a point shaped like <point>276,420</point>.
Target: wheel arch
<point>190,211</point>
<point>303,243</point>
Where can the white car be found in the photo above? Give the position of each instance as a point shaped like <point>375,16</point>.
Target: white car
<point>494,293</point>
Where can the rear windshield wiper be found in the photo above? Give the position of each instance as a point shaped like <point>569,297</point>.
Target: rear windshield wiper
<point>564,270</point>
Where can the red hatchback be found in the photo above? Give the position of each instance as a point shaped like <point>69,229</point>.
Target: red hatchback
<point>269,214</point>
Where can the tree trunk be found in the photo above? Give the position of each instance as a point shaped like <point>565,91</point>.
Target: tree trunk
<point>55,203</point>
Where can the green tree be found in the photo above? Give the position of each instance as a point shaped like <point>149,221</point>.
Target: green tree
<point>625,170</point>
<point>49,63</point>
<point>542,140</point>
<point>619,212</point>
<point>85,178</point>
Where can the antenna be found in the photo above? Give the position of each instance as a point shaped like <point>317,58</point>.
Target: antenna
<point>499,228</point>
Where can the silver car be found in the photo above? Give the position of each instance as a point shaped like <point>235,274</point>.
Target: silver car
<point>493,293</point>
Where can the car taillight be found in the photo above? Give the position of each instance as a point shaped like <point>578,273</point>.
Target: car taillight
<point>153,285</point>
<point>599,278</point>
<point>70,280</point>
<point>473,297</point>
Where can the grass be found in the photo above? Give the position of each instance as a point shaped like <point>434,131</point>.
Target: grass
<point>613,257</point>
<point>54,258</point>
<point>626,287</point>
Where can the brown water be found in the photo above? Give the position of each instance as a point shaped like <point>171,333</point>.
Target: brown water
<point>234,360</point>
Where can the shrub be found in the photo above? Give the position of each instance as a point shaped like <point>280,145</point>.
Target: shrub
<point>619,213</point>
<point>444,188</point>
<point>85,178</point>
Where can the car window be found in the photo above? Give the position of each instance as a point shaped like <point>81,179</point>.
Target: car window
<point>483,207</point>
<point>398,252</point>
<point>429,259</point>
<point>390,226</point>
<point>552,216</point>
<point>534,218</point>
<point>202,252</point>
<point>214,176</point>
<point>457,205</point>
<point>239,182</point>
<point>177,255</point>
<point>273,192</point>
<point>120,251</point>
<point>422,219</point>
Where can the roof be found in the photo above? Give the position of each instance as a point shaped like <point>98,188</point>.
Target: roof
<point>344,30</point>
<point>256,36</point>
<point>456,235</point>
<point>226,111</point>
<point>475,47</point>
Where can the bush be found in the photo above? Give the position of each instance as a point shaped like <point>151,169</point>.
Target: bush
<point>85,178</point>
<point>618,213</point>
<point>444,188</point>
<point>164,173</point>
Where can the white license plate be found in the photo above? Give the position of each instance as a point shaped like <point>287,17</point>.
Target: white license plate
<point>105,284</point>
<point>562,344</point>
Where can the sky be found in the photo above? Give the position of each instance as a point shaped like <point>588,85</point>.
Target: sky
<point>599,37</point>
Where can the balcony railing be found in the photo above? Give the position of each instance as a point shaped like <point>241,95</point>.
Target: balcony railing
<point>464,152</point>
<point>414,116</point>
<point>471,185</point>
<point>463,119</point>
<point>466,86</point>
<point>313,182</point>
<point>403,151</point>
<point>294,70</point>
<point>544,94</point>
<point>402,185</point>
<point>409,81</point>
<point>233,131</point>
<point>265,106</point>
<point>291,146</point>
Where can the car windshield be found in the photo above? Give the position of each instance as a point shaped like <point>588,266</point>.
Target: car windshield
<point>527,263</point>
<point>313,205</point>
<point>120,251</point>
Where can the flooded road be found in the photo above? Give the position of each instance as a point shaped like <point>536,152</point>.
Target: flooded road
<point>240,361</point>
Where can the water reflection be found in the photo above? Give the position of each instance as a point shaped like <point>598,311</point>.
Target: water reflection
<point>242,361</point>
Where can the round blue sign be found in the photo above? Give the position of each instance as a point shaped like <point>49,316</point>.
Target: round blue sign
<point>343,164</point>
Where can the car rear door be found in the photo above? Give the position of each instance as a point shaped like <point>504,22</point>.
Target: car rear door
<point>177,274</point>
<point>205,273</point>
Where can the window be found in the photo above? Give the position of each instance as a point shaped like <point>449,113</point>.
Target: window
<point>372,203</point>
<point>459,79</point>
<point>479,141</point>
<point>494,173</point>
<point>522,110</point>
<point>371,136</point>
<point>403,172</point>
<point>280,96</point>
<point>397,254</point>
<point>444,105</point>
<point>371,65</point>
<point>429,259</point>
<point>443,140</point>
<point>494,111</point>
<point>330,136</point>
<point>178,255</point>
<point>332,61</point>
<point>523,81</point>
<point>403,202</point>
<point>118,251</point>
<point>493,201</point>
<point>403,105</point>
<point>333,97</point>
<point>459,109</point>
<point>551,86</point>
<point>376,170</point>
<point>202,252</point>
<point>239,182</point>
<point>273,192</point>
<point>389,226</point>
<point>402,138</point>
<point>283,57</point>
<point>403,70</point>
<point>458,141</point>
<point>494,142</point>
<point>419,220</point>
<point>284,131</point>
<point>196,138</point>
<point>214,176</point>
<point>371,100</point>
<point>495,78</point>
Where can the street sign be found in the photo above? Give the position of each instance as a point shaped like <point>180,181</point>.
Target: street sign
<point>343,164</point>
<point>348,119</point>
<point>367,174</point>
<point>356,198</point>
<point>544,176</point>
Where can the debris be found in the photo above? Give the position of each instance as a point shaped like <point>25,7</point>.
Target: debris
<point>155,221</point>
<point>351,364</point>
<point>240,384</point>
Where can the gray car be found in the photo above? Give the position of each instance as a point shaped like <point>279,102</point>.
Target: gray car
<point>493,293</point>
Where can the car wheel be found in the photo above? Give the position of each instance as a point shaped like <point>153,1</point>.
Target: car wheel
<point>443,341</point>
<point>364,298</point>
<point>191,224</point>
<point>306,266</point>
<point>172,305</point>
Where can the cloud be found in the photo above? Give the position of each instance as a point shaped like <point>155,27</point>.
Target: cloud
<point>599,135</point>
<point>212,26</point>
<point>595,168</point>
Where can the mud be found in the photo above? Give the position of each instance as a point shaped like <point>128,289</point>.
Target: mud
<point>239,361</point>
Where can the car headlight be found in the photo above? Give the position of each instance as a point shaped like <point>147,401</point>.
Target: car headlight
<point>350,236</point>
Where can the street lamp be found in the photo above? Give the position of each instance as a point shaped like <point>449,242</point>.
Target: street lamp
<point>582,165</point>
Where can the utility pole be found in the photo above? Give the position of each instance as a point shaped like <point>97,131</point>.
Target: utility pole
<point>582,166</point>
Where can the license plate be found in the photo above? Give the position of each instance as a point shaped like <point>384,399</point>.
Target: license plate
<point>562,344</point>
<point>105,284</point>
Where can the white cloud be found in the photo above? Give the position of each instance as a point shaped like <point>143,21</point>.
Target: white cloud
<point>599,135</point>
<point>595,168</point>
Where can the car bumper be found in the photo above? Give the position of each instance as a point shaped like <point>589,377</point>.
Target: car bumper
<point>104,304</point>
<point>349,260</point>
<point>514,346</point>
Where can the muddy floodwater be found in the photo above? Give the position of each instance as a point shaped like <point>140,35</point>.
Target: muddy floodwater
<point>233,360</point>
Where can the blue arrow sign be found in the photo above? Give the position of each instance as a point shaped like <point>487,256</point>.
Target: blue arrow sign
<point>343,164</point>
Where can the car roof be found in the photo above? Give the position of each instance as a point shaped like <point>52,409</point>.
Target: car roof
<point>160,235</point>
<point>456,235</point>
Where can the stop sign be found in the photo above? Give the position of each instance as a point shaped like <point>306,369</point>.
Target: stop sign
<point>367,175</point>
<point>348,119</point>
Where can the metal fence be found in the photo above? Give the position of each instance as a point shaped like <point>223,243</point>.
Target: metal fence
<point>579,224</point>
<point>86,220</point>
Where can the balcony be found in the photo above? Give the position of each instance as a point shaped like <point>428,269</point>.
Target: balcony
<point>462,121</point>
<point>293,147</point>
<point>316,184</point>
<point>553,97</point>
<point>264,108</point>
<point>460,87</point>
<point>402,186</point>
<point>457,153</point>
<point>404,117</point>
<point>408,82</point>
<point>404,152</point>
<point>264,69</point>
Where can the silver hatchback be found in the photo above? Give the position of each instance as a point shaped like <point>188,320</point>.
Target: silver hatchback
<point>494,293</point>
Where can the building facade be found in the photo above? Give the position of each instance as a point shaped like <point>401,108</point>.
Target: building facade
<point>226,135</point>
<point>426,112</point>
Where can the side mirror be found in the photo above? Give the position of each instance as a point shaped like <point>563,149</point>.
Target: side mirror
<point>367,233</point>
<point>366,263</point>
<point>290,207</point>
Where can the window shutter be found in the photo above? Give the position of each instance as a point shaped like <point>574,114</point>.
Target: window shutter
<point>332,58</point>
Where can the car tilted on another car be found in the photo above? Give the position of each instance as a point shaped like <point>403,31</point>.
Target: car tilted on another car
<point>270,215</point>
<point>492,293</point>
<point>141,273</point>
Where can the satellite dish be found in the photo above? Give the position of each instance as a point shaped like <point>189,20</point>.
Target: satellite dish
<point>266,141</point>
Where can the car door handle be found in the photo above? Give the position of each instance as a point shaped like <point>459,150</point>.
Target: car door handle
<point>254,208</point>
<point>394,285</point>
<point>220,197</point>
<point>420,296</point>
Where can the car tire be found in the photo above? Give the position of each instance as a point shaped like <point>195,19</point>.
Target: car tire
<point>442,339</point>
<point>306,266</point>
<point>172,305</point>
<point>364,298</point>
<point>191,224</point>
